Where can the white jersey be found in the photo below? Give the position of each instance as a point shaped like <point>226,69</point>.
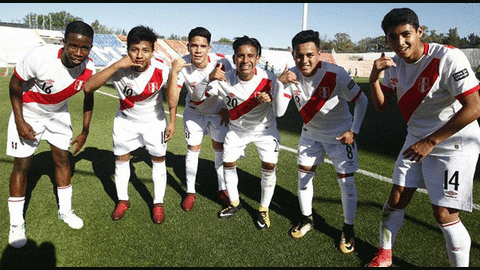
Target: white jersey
<point>48,84</point>
<point>322,100</point>
<point>191,76</point>
<point>139,92</point>
<point>245,112</point>
<point>427,93</point>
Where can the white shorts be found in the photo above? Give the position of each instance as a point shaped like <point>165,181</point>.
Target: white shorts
<point>267,143</point>
<point>312,153</point>
<point>56,129</point>
<point>129,135</point>
<point>198,125</point>
<point>448,179</point>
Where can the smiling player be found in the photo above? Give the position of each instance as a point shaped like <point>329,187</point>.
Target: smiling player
<point>140,119</point>
<point>39,91</point>
<point>437,94</point>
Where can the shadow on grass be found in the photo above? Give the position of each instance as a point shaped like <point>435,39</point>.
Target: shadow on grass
<point>31,255</point>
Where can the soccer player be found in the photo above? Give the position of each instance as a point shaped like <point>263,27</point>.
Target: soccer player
<point>321,92</point>
<point>207,116</point>
<point>140,119</point>
<point>246,92</point>
<point>438,97</point>
<point>40,87</point>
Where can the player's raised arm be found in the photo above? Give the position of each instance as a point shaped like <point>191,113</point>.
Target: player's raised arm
<point>280,97</point>
<point>100,78</point>
<point>217,74</point>
<point>380,100</point>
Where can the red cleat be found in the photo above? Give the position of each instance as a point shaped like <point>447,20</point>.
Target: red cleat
<point>188,202</point>
<point>120,210</point>
<point>158,213</point>
<point>383,258</point>
<point>224,197</point>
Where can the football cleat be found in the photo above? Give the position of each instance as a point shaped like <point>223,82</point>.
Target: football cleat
<point>229,211</point>
<point>16,236</point>
<point>223,195</point>
<point>71,219</point>
<point>302,228</point>
<point>383,258</point>
<point>347,239</point>
<point>263,220</point>
<point>120,210</point>
<point>188,202</point>
<point>158,213</point>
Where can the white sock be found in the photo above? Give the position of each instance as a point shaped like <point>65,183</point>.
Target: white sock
<point>349,198</point>
<point>231,182</point>
<point>268,182</point>
<point>305,191</point>
<point>122,177</point>
<point>219,169</point>
<point>458,243</point>
<point>15,208</point>
<point>64,199</point>
<point>191,166</point>
<point>159,177</point>
<point>390,225</point>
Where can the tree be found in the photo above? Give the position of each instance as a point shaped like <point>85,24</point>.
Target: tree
<point>101,29</point>
<point>452,37</point>
<point>343,43</point>
<point>53,21</point>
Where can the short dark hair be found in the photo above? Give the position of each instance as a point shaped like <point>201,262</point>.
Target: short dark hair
<point>201,32</point>
<point>245,40</point>
<point>79,27</point>
<point>399,16</point>
<point>306,36</point>
<point>141,33</point>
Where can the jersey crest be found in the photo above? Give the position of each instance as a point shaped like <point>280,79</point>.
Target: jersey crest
<point>249,104</point>
<point>151,88</point>
<point>412,98</point>
<point>319,97</point>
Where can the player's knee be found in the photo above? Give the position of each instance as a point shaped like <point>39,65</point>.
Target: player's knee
<point>269,178</point>
<point>347,185</point>
<point>305,179</point>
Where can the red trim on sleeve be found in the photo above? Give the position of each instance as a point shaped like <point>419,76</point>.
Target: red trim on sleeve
<point>471,91</point>
<point>18,76</point>
<point>356,97</point>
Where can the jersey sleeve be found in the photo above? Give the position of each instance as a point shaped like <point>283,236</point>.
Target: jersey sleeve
<point>25,68</point>
<point>350,90</point>
<point>459,77</point>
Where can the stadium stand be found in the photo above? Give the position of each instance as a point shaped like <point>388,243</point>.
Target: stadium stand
<point>223,49</point>
<point>51,36</point>
<point>178,46</point>
<point>107,48</point>
<point>17,42</point>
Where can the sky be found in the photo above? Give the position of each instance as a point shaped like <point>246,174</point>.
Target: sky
<point>273,24</point>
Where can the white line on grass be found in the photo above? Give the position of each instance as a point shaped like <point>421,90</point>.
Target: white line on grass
<point>367,173</point>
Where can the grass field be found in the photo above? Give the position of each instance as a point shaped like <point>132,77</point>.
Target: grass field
<point>199,238</point>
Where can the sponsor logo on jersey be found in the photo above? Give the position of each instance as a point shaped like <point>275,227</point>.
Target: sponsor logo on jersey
<point>460,75</point>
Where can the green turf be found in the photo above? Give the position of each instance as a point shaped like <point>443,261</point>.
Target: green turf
<point>199,238</point>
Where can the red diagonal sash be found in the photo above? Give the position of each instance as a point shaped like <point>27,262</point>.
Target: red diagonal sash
<point>264,86</point>
<point>157,79</point>
<point>412,98</point>
<point>319,97</point>
<point>58,97</point>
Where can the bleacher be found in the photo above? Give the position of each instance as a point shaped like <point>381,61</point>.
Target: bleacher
<point>107,48</point>
<point>222,49</point>
<point>17,42</point>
